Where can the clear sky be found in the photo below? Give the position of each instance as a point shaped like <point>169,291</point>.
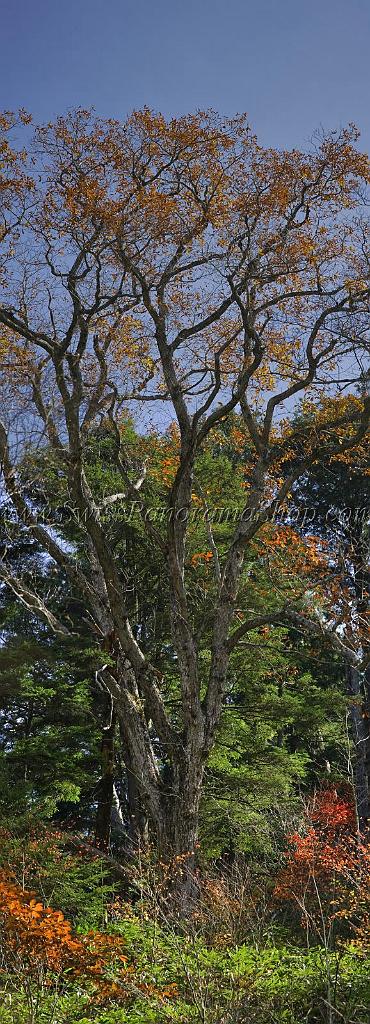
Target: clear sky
<point>293,66</point>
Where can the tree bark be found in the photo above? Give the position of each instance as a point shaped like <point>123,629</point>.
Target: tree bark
<point>137,817</point>
<point>177,832</point>
<point>105,788</point>
<point>361,740</point>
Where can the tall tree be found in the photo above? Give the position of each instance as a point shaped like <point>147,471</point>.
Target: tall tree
<point>181,267</point>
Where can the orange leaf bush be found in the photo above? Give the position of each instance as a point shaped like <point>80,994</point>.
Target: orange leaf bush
<point>37,941</point>
<point>327,871</point>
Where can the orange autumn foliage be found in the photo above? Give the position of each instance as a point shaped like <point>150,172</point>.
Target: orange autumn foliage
<point>37,941</point>
<point>327,870</point>
<point>201,556</point>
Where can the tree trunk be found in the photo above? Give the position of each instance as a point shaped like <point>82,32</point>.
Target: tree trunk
<point>177,833</point>
<point>105,788</point>
<point>137,816</point>
<point>177,829</point>
<point>361,739</point>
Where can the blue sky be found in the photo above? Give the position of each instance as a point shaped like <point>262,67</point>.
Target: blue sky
<point>293,66</point>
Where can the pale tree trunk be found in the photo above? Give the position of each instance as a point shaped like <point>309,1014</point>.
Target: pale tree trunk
<point>137,816</point>
<point>361,740</point>
<point>163,803</point>
<point>105,788</point>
